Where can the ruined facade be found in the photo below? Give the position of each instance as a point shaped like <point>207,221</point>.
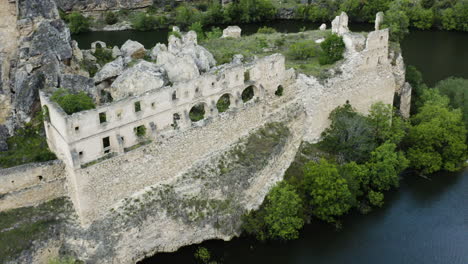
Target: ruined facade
<point>142,163</point>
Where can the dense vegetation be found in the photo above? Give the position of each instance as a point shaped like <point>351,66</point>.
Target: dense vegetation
<point>360,157</point>
<point>72,102</point>
<point>27,145</point>
<point>400,14</point>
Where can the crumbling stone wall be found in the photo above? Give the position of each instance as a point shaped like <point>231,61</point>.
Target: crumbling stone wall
<point>31,184</point>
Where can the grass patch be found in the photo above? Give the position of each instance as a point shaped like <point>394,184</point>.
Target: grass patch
<point>262,45</point>
<point>19,228</point>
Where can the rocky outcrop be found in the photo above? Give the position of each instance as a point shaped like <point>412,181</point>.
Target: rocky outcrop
<point>101,5</point>
<point>379,18</point>
<point>133,49</point>
<point>78,83</point>
<point>232,32</point>
<point>142,77</point>
<point>110,70</point>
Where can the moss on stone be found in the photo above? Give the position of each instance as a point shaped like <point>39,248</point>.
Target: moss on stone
<point>19,228</point>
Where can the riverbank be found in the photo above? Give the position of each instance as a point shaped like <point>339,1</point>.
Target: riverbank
<point>422,222</point>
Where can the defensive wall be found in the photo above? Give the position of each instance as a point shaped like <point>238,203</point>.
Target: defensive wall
<point>31,184</point>
<point>106,160</point>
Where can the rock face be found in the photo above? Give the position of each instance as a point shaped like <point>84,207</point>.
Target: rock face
<point>340,24</point>
<point>133,49</point>
<point>78,83</point>
<point>142,77</point>
<point>183,59</point>
<point>110,70</point>
<point>323,27</point>
<point>3,137</point>
<point>232,32</point>
<point>101,5</point>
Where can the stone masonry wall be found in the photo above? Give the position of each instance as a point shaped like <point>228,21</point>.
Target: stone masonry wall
<point>31,184</point>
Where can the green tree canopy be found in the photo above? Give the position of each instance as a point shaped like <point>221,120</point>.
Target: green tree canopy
<point>349,135</point>
<point>333,48</point>
<point>78,23</point>
<point>329,192</point>
<point>456,89</point>
<point>385,165</point>
<point>397,21</point>
<point>437,138</point>
<point>279,217</point>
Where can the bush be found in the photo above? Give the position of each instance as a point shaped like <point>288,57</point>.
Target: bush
<point>302,50</point>
<point>397,21</point>
<point>145,22</point>
<point>72,103</point>
<point>248,11</point>
<point>175,34</point>
<point>103,56</point>
<point>332,49</point>
<point>111,18</point>
<point>198,28</point>
<point>279,217</point>
<point>186,15</point>
<point>215,33</point>
<point>266,30</point>
<point>27,145</point>
<point>140,131</point>
<point>78,23</point>
<point>202,255</point>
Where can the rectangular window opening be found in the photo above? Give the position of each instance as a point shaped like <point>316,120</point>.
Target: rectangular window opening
<point>137,106</point>
<point>102,117</point>
<point>106,144</point>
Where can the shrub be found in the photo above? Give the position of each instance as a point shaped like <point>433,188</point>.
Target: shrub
<point>302,50</point>
<point>145,22</point>
<point>175,34</point>
<point>202,255</point>
<point>103,56</point>
<point>89,66</point>
<point>186,15</point>
<point>266,30</point>
<point>332,49</point>
<point>140,131</point>
<point>27,145</point>
<point>198,28</point>
<point>78,23</point>
<point>72,103</point>
<point>215,33</point>
<point>111,18</point>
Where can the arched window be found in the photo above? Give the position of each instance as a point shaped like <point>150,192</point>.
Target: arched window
<point>223,103</point>
<point>197,112</point>
<point>247,94</point>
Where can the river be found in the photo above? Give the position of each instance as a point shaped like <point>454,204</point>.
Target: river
<point>424,221</point>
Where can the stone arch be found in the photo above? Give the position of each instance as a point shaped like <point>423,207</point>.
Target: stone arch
<point>198,112</point>
<point>225,102</point>
<point>102,45</point>
<point>248,93</point>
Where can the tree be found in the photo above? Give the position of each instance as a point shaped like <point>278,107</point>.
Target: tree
<point>329,192</point>
<point>456,89</point>
<point>376,198</point>
<point>78,23</point>
<point>333,48</point>
<point>282,212</point>
<point>198,28</point>
<point>279,217</point>
<point>386,124</point>
<point>72,103</point>
<point>423,18</point>
<point>186,15</point>
<point>437,138</point>
<point>202,255</point>
<point>397,21</point>
<point>350,135</point>
<point>385,165</point>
